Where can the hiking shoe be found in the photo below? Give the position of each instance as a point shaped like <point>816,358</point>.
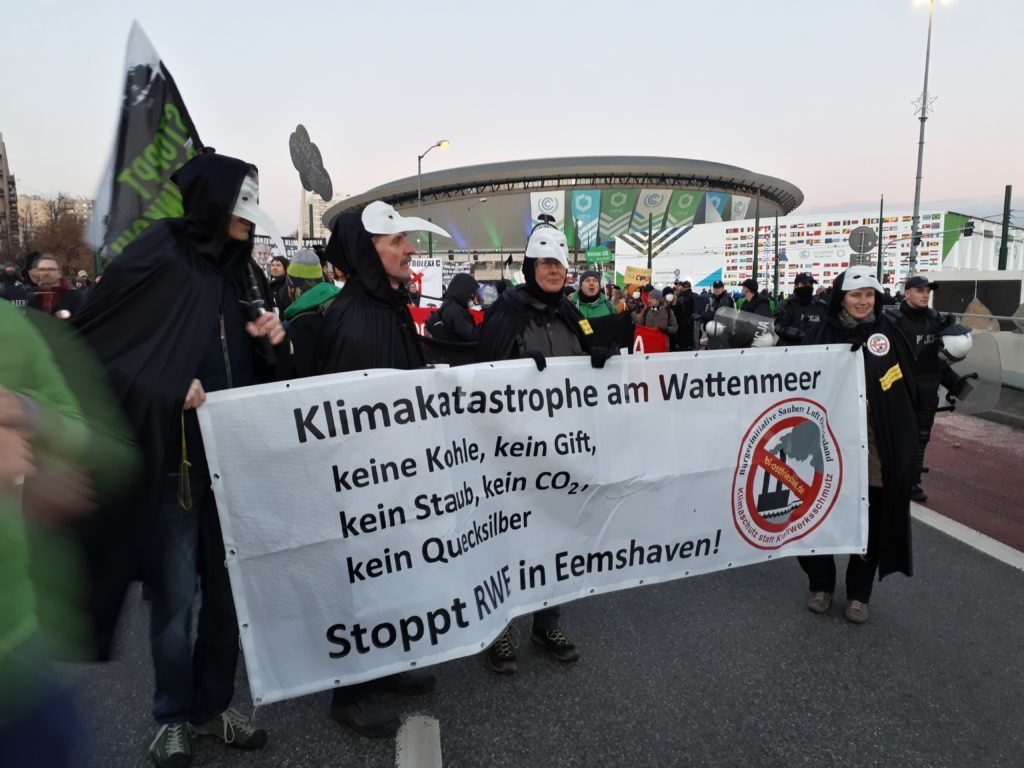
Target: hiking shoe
<point>366,717</point>
<point>171,747</point>
<point>820,602</point>
<point>917,493</point>
<point>406,683</point>
<point>557,644</point>
<point>857,612</point>
<point>234,729</point>
<point>502,653</point>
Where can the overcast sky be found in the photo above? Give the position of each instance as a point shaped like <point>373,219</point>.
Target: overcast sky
<point>817,92</point>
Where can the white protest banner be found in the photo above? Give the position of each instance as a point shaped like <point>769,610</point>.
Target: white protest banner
<point>380,520</point>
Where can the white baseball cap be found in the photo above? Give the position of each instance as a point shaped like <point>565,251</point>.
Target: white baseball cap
<point>379,218</point>
<point>548,243</point>
<point>247,207</point>
<point>860,277</point>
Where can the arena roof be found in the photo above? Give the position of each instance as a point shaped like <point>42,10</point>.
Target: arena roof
<point>570,172</point>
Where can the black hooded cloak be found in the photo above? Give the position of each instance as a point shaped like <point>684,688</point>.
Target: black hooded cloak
<point>453,321</point>
<point>890,386</point>
<point>369,325</point>
<point>506,320</point>
<point>149,322</point>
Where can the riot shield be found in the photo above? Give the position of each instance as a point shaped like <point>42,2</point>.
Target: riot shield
<point>981,375</point>
<point>735,329</point>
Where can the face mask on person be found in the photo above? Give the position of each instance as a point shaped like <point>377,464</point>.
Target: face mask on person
<point>669,299</point>
<point>635,294</point>
<point>803,291</point>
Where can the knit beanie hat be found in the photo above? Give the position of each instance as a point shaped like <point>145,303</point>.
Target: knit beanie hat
<point>304,272</point>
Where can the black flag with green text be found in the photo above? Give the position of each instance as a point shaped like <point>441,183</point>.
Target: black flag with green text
<point>155,137</point>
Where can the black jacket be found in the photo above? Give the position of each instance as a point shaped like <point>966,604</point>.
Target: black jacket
<point>758,305</point>
<point>14,291</point>
<point>513,324</point>
<point>279,294</point>
<point>921,328</point>
<point>453,321</point>
<point>155,323</point>
<point>715,303</point>
<point>368,325</point>
<point>797,320</point>
<point>891,391</point>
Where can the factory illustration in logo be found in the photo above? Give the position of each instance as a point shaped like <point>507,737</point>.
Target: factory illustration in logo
<point>788,474</point>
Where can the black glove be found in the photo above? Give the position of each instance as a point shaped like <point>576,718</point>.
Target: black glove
<point>957,387</point>
<point>600,355</point>
<point>538,358</point>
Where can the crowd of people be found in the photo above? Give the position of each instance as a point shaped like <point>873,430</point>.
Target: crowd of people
<point>184,311</point>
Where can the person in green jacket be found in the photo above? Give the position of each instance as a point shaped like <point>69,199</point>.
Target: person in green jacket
<point>589,299</point>
<point>42,434</point>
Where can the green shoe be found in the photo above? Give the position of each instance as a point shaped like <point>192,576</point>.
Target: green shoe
<point>233,729</point>
<point>171,747</point>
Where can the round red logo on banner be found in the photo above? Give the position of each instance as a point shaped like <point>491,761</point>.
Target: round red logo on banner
<point>788,474</point>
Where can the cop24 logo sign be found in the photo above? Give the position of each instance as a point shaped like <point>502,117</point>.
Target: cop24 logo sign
<point>548,204</point>
<point>653,200</point>
<point>583,203</point>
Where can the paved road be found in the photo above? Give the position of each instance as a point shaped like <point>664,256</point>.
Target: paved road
<point>976,476</point>
<point>723,670</point>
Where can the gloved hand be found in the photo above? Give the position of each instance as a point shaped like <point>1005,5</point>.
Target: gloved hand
<point>960,385</point>
<point>538,358</point>
<point>600,355</point>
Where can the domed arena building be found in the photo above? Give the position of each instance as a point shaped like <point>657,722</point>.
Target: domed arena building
<point>644,202</point>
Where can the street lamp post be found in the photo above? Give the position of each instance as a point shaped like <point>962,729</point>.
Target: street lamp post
<point>916,220</point>
<point>443,143</point>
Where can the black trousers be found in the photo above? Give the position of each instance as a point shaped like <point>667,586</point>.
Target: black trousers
<point>928,401</point>
<point>860,571</point>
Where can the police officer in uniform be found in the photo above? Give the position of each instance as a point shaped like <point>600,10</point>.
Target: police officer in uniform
<point>921,325</point>
<point>800,316</point>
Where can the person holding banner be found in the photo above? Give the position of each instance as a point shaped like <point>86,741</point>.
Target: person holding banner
<point>177,315</point>
<point>854,316</point>
<point>369,326</point>
<point>535,320</point>
<point>657,315</point>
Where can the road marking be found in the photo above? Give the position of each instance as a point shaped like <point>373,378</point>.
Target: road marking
<point>968,536</point>
<point>418,743</point>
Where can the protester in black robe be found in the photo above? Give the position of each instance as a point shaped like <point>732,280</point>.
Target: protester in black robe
<point>453,321</point>
<point>892,441</point>
<point>535,320</point>
<point>169,321</point>
<point>369,326</point>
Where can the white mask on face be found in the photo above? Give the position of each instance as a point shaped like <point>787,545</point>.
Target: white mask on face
<point>669,299</point>
<point>635,294</point>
